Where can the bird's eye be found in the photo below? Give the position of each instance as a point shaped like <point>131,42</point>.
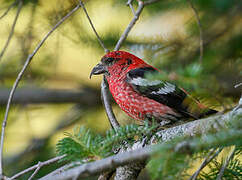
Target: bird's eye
<point>110,59</point>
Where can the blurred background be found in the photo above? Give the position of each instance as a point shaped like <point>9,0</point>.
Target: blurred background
<point>56,93</point>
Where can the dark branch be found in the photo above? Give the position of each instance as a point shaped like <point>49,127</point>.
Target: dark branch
<point>34,95</point>
<point>8,9</point>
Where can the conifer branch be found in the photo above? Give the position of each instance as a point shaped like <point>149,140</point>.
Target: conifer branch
<point>202,126</point>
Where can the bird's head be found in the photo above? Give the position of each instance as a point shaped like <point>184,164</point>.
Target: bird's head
<point>116,62</point>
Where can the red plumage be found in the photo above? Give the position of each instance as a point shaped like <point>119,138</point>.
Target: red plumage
<point>141,98</point>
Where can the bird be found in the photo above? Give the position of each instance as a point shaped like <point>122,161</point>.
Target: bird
<point>144,98</point>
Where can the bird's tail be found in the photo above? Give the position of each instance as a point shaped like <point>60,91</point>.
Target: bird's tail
<point>207,113</point>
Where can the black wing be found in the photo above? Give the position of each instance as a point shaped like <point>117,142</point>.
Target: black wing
<point>161,91</point>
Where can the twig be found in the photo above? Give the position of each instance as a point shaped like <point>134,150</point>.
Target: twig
<point>12,29</point>
<point>221,172</point>
<point>206,161</point>
<point>93,28</point>
<point>129,3</point>
<point>200,29</point>
<point>9,8</point>
<point>107,105</point>
<point>104,86</point>
<point>36,167</point>
<point>27,62</point>
<point>36,171</point>
<point>237,85</point>
<point>150,2</point>
<point>130,26</point>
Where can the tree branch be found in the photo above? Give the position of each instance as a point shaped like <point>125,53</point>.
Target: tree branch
<point>8,9</point>
<point>130,26</point>
<point>221,172</point>
<point>34,95</point>
<point>20,75</point>
<point>107,105</point>
<point>20,4</point>
<point>206,161</point>
<point>35,167</point>
<point>93,28</point>
<point>202,126</point>
<point>104,86</point>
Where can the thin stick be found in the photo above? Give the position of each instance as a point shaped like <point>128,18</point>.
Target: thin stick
<point>221,172</point>
<point>104,86</point>
<point>9,8</point>
<point>130,26</point>
<point>20,5</point>
<point>129,3</point>
<point>35,167</point>
<point>200,29</point>
<point>107,105</point>
<point>27,62</point>
<point>93,28</point>
<point>150,2</point>
<point>36,171</point>
<point>237,85</point>
<point>206,161</point>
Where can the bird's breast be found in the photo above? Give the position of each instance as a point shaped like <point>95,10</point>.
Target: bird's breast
<point>134,104</point>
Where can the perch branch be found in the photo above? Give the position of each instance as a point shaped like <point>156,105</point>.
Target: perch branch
<point>20,5</point>
<point>104,86</point>
<point>26,64</point>
<point>193,128</point>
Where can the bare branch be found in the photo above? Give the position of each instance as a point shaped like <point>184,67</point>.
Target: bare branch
<point>221,172</point>
<point>20,4</point>
<point>8,9</point>
<point>130,26</point>
<point>206,161</point>
<point>93,28</point>
<point>150,2</point>
<point>129,3</point>
<point>104,86</point>
<point>26,64</point>
<point>35,167</point>
<point>107,105</point>
<point>200,29</point>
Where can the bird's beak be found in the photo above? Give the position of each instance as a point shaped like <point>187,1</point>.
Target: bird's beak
<point>98,69</point>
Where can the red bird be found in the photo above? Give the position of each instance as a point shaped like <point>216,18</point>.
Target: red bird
<point>142,98</point>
